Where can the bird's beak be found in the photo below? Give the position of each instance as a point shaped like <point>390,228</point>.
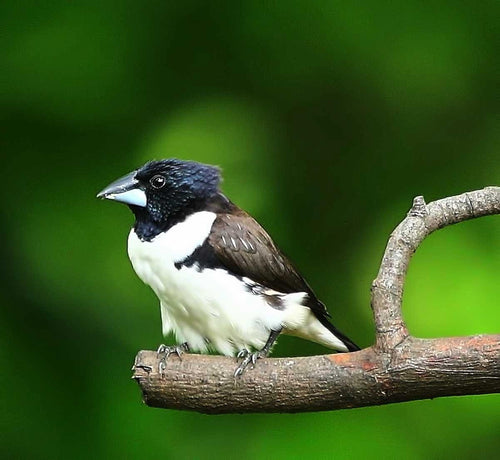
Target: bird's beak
<point>125,190</point>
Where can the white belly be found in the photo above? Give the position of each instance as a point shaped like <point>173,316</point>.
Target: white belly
<point>203,308</point>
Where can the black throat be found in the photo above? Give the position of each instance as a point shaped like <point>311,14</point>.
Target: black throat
<point>147,228</point>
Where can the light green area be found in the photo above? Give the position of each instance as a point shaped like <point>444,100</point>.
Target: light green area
<point>326,117</point>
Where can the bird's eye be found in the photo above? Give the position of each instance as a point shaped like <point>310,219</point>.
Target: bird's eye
<point>157,181</point>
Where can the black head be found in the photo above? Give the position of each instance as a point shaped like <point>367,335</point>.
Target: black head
<point>170,185</point>
<point>164,190</point>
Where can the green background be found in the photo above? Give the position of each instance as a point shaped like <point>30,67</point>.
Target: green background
<point>326,117</point>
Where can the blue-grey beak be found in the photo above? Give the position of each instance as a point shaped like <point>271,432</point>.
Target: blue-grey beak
<point>125,190</point>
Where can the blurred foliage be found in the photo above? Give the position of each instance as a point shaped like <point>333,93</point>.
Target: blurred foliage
<point>326,117</point>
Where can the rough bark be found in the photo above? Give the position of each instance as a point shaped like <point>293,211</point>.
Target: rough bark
<point>397,368</point>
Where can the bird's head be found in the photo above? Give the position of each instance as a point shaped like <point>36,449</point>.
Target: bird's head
<point>165,187</point>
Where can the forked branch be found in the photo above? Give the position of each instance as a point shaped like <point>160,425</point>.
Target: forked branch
<point>397,368</point>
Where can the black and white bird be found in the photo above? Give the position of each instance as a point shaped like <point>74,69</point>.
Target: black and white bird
<point>221,281</point>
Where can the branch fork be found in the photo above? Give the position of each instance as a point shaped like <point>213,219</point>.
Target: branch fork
<point>398,367</point>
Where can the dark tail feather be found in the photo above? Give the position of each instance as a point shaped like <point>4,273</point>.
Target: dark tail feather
<point>351,346</point>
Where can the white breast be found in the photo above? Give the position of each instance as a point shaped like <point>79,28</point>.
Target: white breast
<point>181,240</point>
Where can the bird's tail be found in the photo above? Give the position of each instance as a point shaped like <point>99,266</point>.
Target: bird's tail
<point>301,321</point>
<point>350,345</point>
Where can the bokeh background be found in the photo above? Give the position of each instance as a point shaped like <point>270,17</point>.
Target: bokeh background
<point>326,117</point>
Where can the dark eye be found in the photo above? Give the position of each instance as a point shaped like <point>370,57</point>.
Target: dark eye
<point>157,181</point>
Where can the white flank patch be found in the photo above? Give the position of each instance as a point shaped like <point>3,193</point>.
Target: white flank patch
<point>209,307</point>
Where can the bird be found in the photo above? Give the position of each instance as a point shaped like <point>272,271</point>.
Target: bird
<point>222,283</point>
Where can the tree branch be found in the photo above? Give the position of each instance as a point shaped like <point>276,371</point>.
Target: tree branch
<point>397,368</point>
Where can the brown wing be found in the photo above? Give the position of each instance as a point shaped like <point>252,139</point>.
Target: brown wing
<point>246,249</point>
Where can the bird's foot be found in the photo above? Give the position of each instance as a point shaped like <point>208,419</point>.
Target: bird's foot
<point>164,351</point>
<point>247,358</point>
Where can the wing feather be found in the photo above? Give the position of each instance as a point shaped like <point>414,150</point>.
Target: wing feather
<point>245,248</point>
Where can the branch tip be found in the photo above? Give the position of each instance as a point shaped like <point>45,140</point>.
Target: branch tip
<point>419,207</point>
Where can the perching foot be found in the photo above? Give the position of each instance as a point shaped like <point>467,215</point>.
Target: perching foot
<point>165,351</point>
<point>248,358</point>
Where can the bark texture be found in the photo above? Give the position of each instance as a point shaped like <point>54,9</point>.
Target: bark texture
<point>397,368</point>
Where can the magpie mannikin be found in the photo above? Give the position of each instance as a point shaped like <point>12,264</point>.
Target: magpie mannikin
<point>221,281</point>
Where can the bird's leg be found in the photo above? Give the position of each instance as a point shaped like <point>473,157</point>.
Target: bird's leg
<point>249,357</point>
<point>165,351</point>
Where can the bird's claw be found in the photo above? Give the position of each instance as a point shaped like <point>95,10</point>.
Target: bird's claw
<point>242,353</point>
<point>248,358</point>
<point>164,351</point>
